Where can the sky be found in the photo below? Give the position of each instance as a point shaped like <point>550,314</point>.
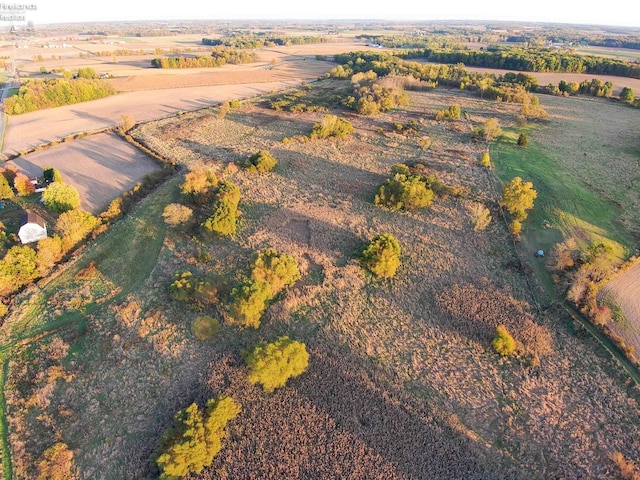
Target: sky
<point>626,13</point>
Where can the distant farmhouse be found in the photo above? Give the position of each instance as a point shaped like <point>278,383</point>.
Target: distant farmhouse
<point>32,228</point>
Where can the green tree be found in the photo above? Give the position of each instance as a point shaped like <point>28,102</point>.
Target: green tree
<point>503,343</point>
<point>17,268</point>
<point>73,226</point>
<point>51,175</point>
<point>223,220</point>
<point>249,301</point>
<point>627,95</point>
<point>61,197</point>
<point>194,440</point>
<point>382,255</point>
<point>5,189</point>
<point>279,270</point>
<point>273,364</point>
<point>404,192</point>
<point>332,126</point>
<point>261,161</point>
<point>517,198</point>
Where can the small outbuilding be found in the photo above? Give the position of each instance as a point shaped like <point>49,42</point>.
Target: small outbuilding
<point>32,228</point>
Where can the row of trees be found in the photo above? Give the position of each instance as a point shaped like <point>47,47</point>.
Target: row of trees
<point>218,58</point>
<point>242,41</point>
<point>39,94</point>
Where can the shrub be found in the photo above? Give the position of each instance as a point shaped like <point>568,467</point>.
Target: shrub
<point>400,168</point>
<point>261,161</point>
<point>176,214</point>
<point>61,197</point>
<point>249,301</point>
<point>425,143</point>
<point>51,175</point>
<point>481,217</point>
<point>523,140</point>
<point>405,192</point>
<point>279,270</point>
<point>332,126</point>
<point>56,463</point>
<point>450,113</point>
<point>515,227</point>
<point>382,255</point>
<point>183,286</point>
<point>205,327</point>
<point>489,131</point>
<point>272,364</point>
<point>485,160</point>
<point>223,219</point>
<point>195,439</point>
<point>198,185</point>
<point>503,343</point>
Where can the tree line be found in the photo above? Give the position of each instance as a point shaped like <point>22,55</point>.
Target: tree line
<point>40,94</point>
<point>254,41</point>
<point>218,58</point>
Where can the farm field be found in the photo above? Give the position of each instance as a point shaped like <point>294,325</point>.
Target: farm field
<point>403,382</point>
<point>101,167</point>
<point>623,292</point>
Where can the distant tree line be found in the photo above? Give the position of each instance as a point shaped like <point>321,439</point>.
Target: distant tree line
<point>251,41</point>
<point>218,58</point>
<point>40,94</point>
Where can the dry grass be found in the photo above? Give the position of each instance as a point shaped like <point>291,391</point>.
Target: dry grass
<point>402,383</point>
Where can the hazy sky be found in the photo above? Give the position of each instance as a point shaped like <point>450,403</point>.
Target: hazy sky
<point>625,13</point>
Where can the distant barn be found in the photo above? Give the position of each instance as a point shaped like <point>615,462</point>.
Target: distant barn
<point>32,228</point>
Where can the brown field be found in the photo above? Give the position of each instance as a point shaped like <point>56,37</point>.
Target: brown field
<point>101,167</point>
<point>402,383</point>
<point>624,292</point>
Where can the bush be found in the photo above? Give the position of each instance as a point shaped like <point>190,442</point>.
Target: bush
<point>176,214</point>
<point>382,255</point>
<point>223,219</point>
<point>205,327</point>
<point>273,364</point>
<point>198,185</point>
<point>195,439</point>
<point>485,160</point>
<point>332,126</point>
<point>183,286</point>
<point>61,197</point>
<point>261,161</point>
<point>451,113</point>
<point>56,463</point>
<point>51,175</point>
<point>503,343</point>
<point>404,192</point>
<point>523,140</point>
<point>400,168</point>
<point>279,270</point>
<point>249,302</point>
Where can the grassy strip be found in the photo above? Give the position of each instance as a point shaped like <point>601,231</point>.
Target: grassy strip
<point>125,255</point>
<point>7,468</point>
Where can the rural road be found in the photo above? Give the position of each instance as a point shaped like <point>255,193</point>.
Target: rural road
<point>29,130</point>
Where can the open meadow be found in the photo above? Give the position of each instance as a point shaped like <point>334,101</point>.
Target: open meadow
<point>403,382</point>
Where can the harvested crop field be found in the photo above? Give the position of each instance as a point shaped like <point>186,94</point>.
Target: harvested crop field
<point>102,167</point>
<point>624,293</point>
<point>403,382</point>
